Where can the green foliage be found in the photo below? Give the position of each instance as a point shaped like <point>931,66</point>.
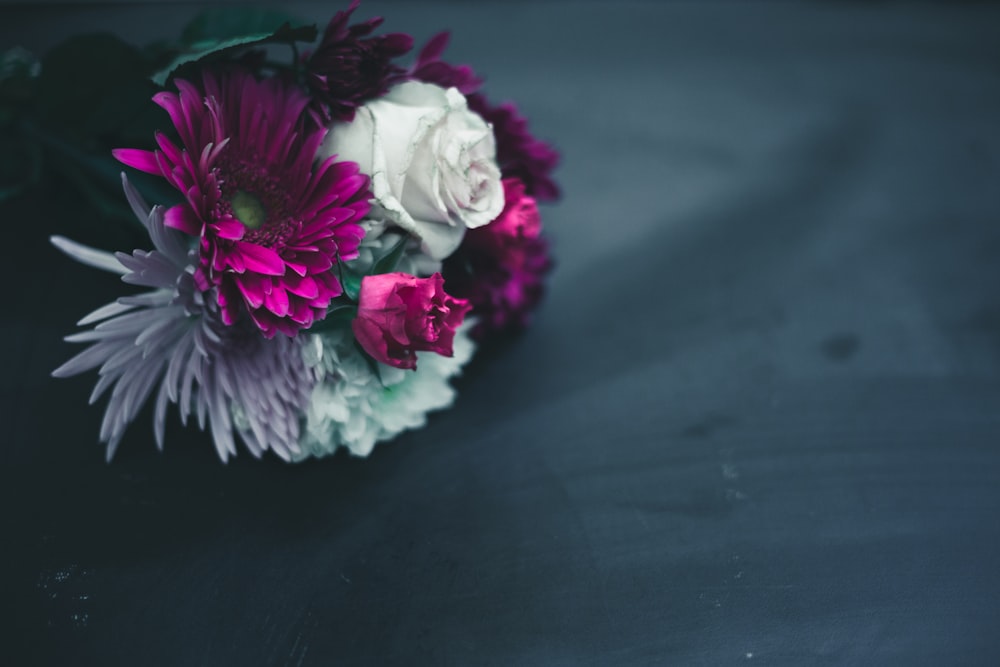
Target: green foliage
<point>350,281</point>
<point>215,48</point>
<point>222,23</point>
<point>387,263</point>
<point>336,318</point>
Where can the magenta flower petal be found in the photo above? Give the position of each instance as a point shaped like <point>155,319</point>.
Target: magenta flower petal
<point>184,219</point>
<point>431,69</point>
<point>302,286</point>
<point>277,302</point>
<point>260,259</point>
<point>252,289</point>
<point>231,230</point>
<point>138,159</point>
<point>266,216</point>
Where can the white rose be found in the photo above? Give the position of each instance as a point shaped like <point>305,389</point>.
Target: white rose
<point>432,162</point>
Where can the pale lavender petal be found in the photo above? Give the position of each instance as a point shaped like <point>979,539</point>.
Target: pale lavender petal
<point>98,259</point>
<point>148,269</point>
<point>129,323</point>
<point>222,427</point>
<point>90,358</point>
<point>156,299</point>
<point>159,334</point>
<point>160,415</point>
<point>106,311</point>
<point>121,360</point>
<point>178,361</point>
<point>135,200</point>
<point>104,382</point>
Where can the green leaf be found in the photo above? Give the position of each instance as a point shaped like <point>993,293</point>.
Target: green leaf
<point>221,23</point>
<point>336,318</point>
<point>211,48</point>
<point>388,262</point>
<point>350,281</point>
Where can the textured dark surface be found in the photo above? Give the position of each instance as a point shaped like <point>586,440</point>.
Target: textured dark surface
<point>757,421</point>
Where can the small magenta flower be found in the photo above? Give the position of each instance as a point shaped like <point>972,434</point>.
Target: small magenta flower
<point>400,315</point>
<point>501,268</point>
<point>271,223</point>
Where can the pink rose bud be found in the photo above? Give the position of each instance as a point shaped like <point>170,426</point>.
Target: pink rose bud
<point>400,315</point>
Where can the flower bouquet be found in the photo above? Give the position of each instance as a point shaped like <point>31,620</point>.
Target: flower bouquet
<point>337,232</point>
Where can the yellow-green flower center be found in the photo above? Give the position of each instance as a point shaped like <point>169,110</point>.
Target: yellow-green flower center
<point>248,209</point>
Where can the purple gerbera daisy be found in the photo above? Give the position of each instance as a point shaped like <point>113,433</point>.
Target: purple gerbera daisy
<point>347,70</point>
<point>172,339</point>
<point>271,222</point>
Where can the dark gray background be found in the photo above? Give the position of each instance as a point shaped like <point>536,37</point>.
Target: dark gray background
<point>757,421</point>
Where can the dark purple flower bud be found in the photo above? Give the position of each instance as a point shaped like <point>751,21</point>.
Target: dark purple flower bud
<point>349,67</point>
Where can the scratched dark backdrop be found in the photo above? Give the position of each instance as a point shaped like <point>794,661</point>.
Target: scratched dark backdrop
<point>757,420</point>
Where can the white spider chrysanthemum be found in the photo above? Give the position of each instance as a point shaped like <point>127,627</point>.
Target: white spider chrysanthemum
<point>230,377</point>
<point>355,406</point>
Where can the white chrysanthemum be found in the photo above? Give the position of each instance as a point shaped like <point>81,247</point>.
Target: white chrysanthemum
<point>357,404</point>
<point>230,377</point>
